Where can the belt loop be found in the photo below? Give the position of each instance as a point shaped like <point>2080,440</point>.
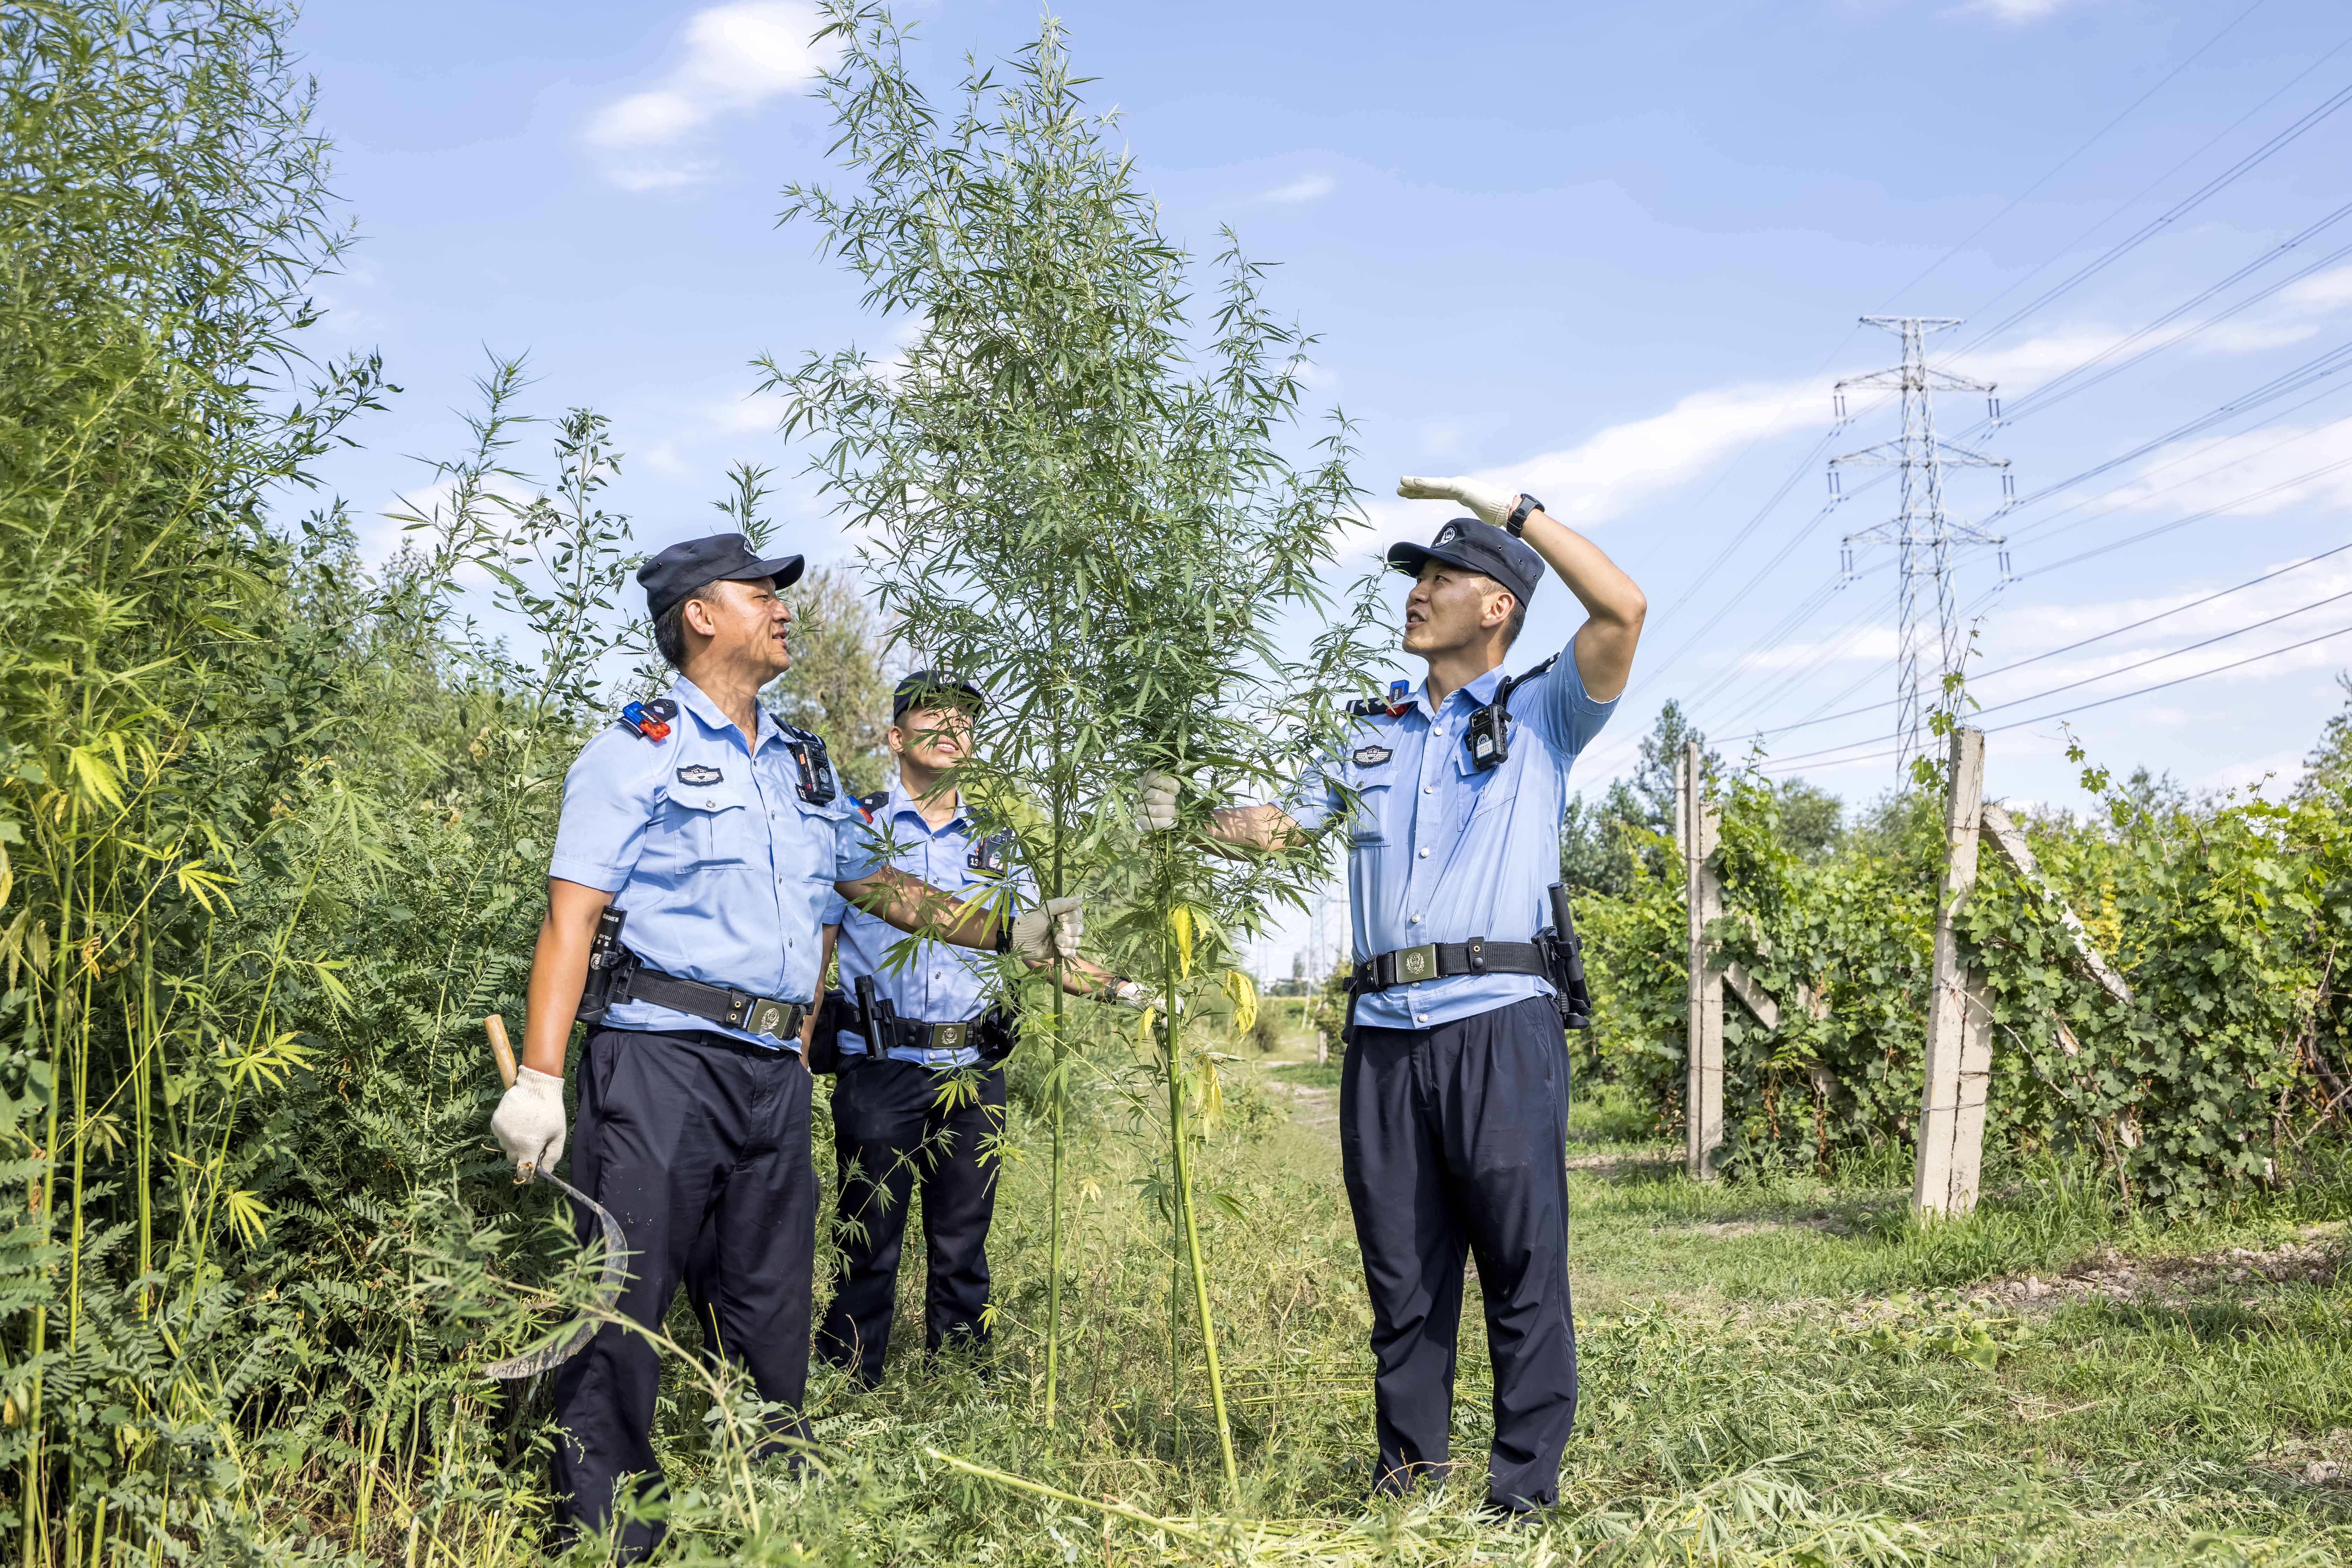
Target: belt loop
<point>1477,955</point>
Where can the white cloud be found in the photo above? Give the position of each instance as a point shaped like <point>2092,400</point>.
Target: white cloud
<point>1614,469</point>
<point>1308,374</point>
<point>1307,188</point>
<point>2233,471</point>
<point>736,58</point>
<point>1872,643</point>
<point>2009,13</point>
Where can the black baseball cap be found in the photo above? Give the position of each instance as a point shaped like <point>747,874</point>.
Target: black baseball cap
<point>678,572</point>
<point>925,685</point>
<point>1475,547</point>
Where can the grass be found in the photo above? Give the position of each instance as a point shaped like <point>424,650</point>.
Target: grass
<point>1767,1371</point>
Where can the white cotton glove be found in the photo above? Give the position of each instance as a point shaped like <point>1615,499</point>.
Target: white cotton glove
<point>1135,994</point>
<point>1051,930</point>
<point>1493,506</point>
<point>1155,802</point>
<point>530,1120</point>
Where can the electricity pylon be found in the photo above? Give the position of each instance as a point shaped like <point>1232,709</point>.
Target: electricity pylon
<point>1921,530</point>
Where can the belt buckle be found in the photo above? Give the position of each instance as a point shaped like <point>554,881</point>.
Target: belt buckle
<point>950,1037</point>
<point>764,1016</point>
<point>1409,964</point>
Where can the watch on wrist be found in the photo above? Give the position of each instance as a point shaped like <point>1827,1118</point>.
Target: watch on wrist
<point>1517,523</point>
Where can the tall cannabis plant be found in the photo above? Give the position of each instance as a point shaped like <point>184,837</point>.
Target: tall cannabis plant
<point>1065,509</point>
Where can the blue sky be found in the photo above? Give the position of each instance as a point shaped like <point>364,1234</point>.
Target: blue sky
<point>1613,253</point>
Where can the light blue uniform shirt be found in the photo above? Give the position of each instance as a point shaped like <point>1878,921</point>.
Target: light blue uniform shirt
<point>723,868</point>
<point>1438,851</point>
<point>944,984</point>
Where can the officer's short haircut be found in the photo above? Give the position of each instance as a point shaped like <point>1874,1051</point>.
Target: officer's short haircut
<point>1518,621</point>
<point>669,630</point>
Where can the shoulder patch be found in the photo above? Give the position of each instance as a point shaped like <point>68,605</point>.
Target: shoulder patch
<point>697,773</point>
<point>1371,756</point>
<point>867,805</point>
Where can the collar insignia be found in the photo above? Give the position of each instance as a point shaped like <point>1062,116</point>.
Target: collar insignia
<point>696,774</point>
<point>1372,757</point>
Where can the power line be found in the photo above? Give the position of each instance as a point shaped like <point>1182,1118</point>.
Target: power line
<point>2149,231</point>
<point>2315,369</point>
<point>2146,534</point>
<point>1834,647</point>
<point>2046,394</point>
<point>1785,762</point>
<point>1834,650</point>
<point>2014,202</point>
<point>2277,143</point>
<point>2099,637</point>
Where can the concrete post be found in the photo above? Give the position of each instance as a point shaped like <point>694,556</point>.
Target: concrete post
<point>1960,1017</point>
<point>1698,827</point>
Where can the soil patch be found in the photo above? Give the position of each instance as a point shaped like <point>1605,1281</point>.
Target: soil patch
<point>2316,1259</point>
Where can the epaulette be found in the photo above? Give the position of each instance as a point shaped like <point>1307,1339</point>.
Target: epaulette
<point>1393,705</point>
<point>648,720</point>
<point>870,804</point>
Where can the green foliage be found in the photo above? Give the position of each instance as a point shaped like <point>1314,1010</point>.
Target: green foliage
<point>1081,501</point>
<point>2211,1085</point>
<point>1606,844</point>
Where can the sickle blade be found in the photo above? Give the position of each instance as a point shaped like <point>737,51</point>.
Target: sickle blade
<point>608,1292</point>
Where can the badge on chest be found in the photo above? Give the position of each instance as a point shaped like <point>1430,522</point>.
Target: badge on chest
<point>699,773</point>
<point>1371,756</point>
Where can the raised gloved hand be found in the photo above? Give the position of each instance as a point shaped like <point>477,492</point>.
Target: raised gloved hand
<point>530,1120</point>
<point>1051,930</point>
<point>1155,801</point>
<point>1491,505</point>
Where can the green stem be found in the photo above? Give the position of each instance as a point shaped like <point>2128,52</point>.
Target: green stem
<point>1054,1099</point>
<point>1191,1230</point>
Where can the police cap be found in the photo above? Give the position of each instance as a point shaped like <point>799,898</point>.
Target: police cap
<point>1474,546</point>
<point>678,572</point>
<point>926,686</point>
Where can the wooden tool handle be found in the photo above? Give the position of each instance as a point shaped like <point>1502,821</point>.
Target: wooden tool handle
<point>500,1049</point>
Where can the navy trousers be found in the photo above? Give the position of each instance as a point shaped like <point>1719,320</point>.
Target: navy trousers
<point>696,1143</point>
<point>890,1130</point>
<point>1454,1137</point>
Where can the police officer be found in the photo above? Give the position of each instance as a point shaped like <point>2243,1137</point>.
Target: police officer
<point>721,835</point>
<point>921,1094</point>
<point>1454,1091</point>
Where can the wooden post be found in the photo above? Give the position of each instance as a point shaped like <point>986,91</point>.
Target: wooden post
<point>1960,1017</point>
<point>2011,841</point>
<point>1697,827</point>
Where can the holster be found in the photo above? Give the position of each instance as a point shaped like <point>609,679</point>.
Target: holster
<point>823,1052</point>
<point>1564,950</point>
<point>998,1033</point>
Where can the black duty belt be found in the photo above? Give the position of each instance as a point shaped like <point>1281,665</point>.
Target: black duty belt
<point>1445,960</point>
<point>778,1020</point>
<point>914,1035</point>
